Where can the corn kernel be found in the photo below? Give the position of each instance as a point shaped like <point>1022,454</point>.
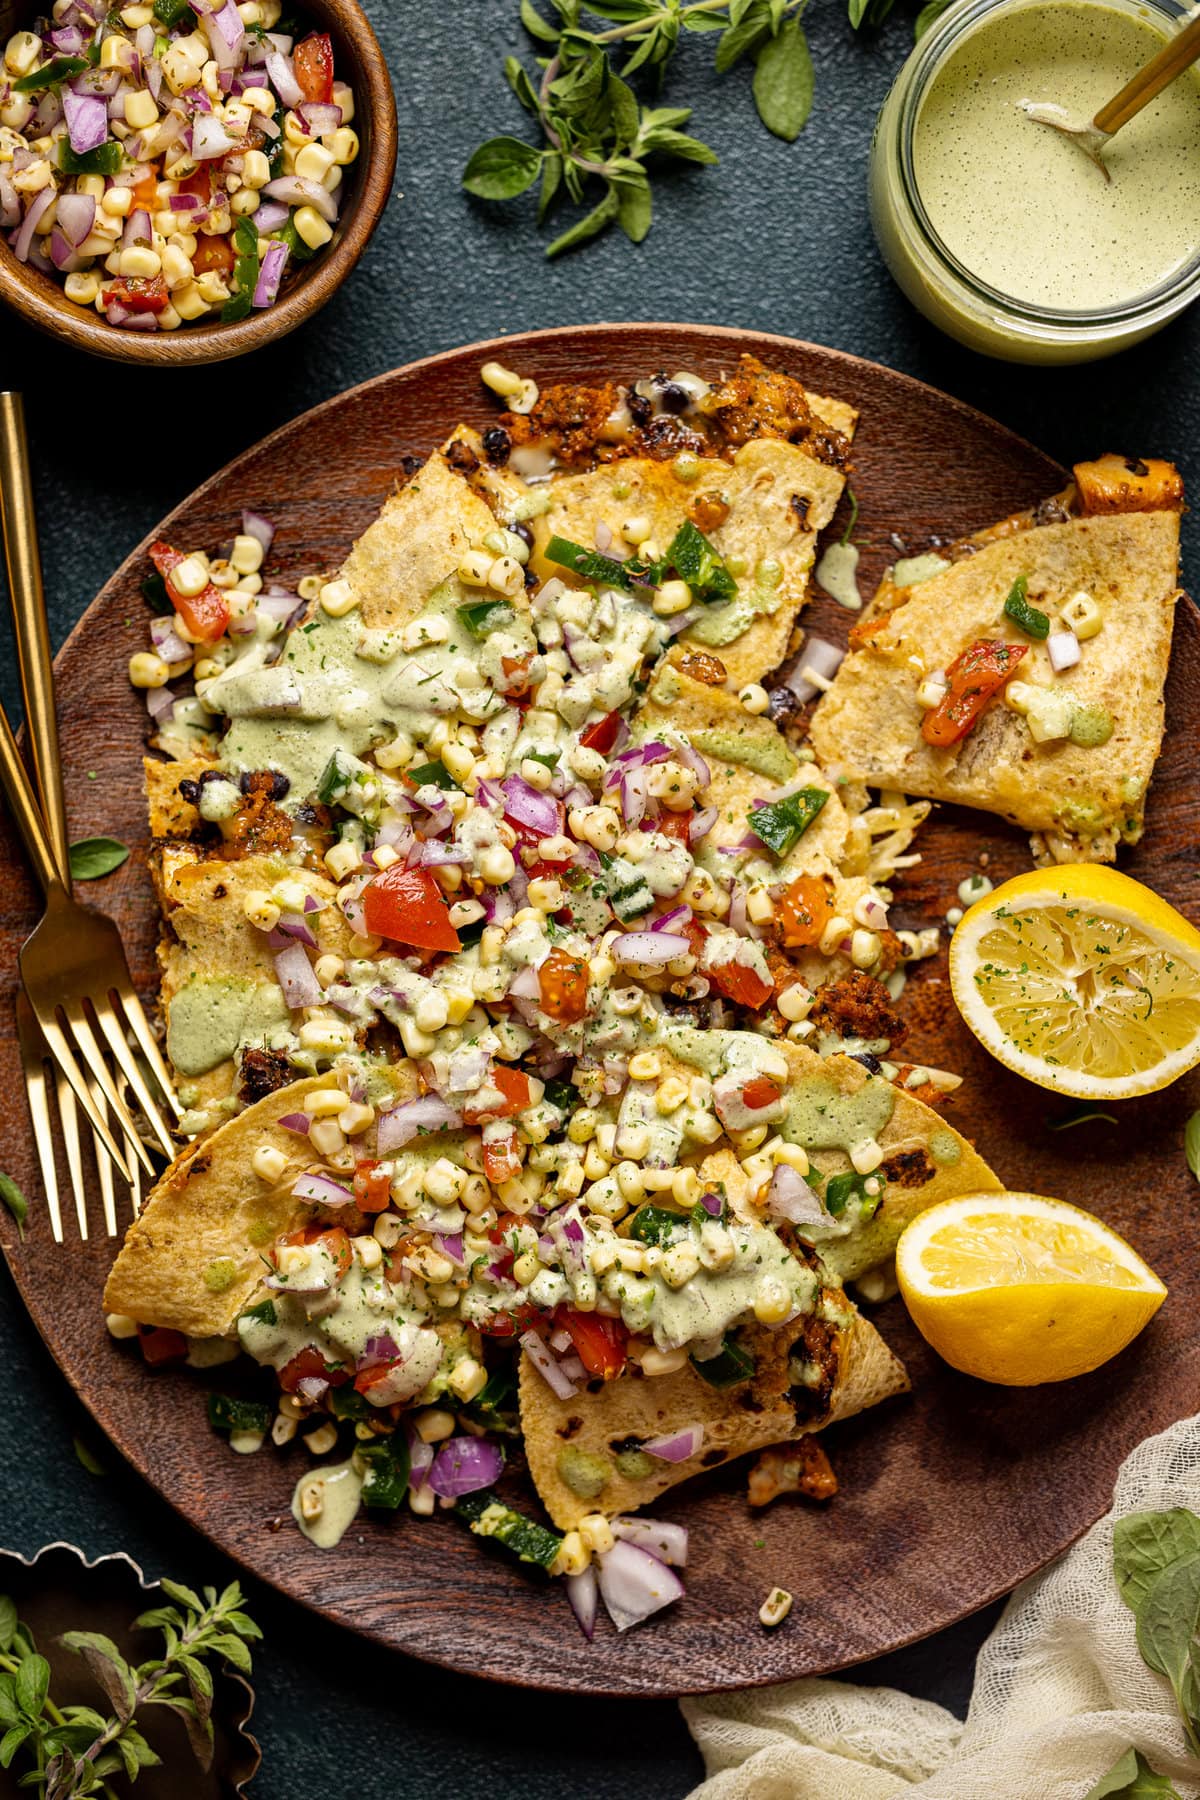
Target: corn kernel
<point>120,1325</point>
<point>596,1533</point>
<point>268,1163</point>
<point>322,1439</point>
<point>672,597</point>
<point>368,1250</point>
<point>775,1608</point>
<point>502,381</point>
<point>342,859</point>
<point>141,109</point>
<point>146,670</point>
<point>772,1301</point>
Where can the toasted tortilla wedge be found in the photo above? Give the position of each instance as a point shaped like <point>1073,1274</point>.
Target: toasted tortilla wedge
<point>736,1420</point>
<point>193,1259</point>
<point>748,760</point>
<point>779,500</point>
<point>1081,801</point>
<point>171,816</point>
<point>415,544</point>
<point>217,972</point>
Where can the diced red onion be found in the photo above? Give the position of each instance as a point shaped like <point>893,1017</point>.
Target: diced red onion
<point>24,238</point>
<point>436,855</point>
<point>312,1388</point>
<point>1063,650</point>
<point>680,622</point>
<point>649,947</point>
<point>463,1465</point>
<point>401,1124</point>
<point>209,139</point>
<point>295,925</point>
<point>295,975</point>
<point>823,658</point>
<point>695,762</point>
<point>379,1349</point>
<point>525,985</point>
<point>634,1584</point>
<point>224,31</point>
<point>639,756</point>
<point>529,807</point>
<point>138,229</point>
<point>270,274</point>
<point>790,1197</point>
<point>277,603</point>
<point>67,40</point>
<point>546,1366</point>
<point>583,1592</point>
<point>678,1446</point>
<point>323,1189</point>
<point>297,1122</point>
<point>75,216</point>
<point>159,702</point>
<point>701,823</point>
<point>64,258</point>
<point>10,205</point>
<point>634,795</point>
<point>269,217</point>
<point>451,1244</point>
<point>668,1542</point>
<point>420,1460</point>
<point>872,912</point>
<point>283,78</point>
<point>711,1204</point>
<point>319,117</point>
<point>255,526</point>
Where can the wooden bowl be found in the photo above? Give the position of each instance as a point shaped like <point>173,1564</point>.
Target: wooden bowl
<point>358,59</point>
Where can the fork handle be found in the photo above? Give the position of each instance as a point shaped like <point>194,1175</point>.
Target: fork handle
<point>29,614</point>
<point>24,808</point>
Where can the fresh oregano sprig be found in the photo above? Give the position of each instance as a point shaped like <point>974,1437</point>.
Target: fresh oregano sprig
<point>599,138</point>
<point>70,1751</point>
<point>1156,1561</point>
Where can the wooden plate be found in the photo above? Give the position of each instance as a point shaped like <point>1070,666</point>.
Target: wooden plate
<point>948,1498</point>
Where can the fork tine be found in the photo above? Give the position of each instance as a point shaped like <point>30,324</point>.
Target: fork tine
<point>85,1038</point>
<point>135,1190</point>
<point>104,1170</point>
<point>33,1062</point>
<point>148,1045</point>
<point>110,1026</point>
<point>68,1114</point>
<point>60,1049</point>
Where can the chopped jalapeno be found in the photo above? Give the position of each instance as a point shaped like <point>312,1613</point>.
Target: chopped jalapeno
<point>431,774</point>
<point>264,1313</point>
<point>782,823</point>
<point>841,1189</point>
<point>386,1480</point>
<point>59,68</point>
<point>489,1517</point>
<point>697,562</point>
<point>604,571</point>
<point>347,1403</point>
<point>105,159</point>
<point>225,1413</point>
<point>245,272</point>
<point>655,1224</point>
<point>485,616</point>
<point>171,13</point>
<point>730,1365</point>
<point>1026,618</point>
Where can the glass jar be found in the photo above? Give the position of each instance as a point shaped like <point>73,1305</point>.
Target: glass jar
<point>937,282</point>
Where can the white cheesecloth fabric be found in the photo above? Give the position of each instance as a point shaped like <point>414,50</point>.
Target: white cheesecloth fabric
<point>1060,1692</point>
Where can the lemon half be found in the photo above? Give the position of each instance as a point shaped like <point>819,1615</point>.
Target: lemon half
<point>1082,980</point>
<point>1017,1289</point>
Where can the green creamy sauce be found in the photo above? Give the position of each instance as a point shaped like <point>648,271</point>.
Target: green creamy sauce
<point>837,573</point>
<point>340,1486</point>
<point>945,1148</point>
<point>1017,202</point>
<point>324,695</point>
<point>365,1305</point>
<point>212,1015</point>
<point>767,756</point>
<point>712,1300</point>
<point>821,1117</point>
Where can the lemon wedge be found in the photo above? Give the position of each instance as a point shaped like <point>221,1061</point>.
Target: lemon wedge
<point>1017,1289</point>
<point>1082,980</point>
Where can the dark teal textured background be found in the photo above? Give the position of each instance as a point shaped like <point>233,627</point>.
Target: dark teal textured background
<point>776,238</point>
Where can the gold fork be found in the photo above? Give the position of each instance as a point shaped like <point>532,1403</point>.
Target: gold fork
<point>73,964</point>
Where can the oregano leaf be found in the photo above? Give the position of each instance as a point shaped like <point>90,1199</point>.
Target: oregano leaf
<point>1167,1618</point>
<point>502,168</point>
<point>634,207</point>
<point>107,1667</point>
<point>1191,1144</point>
<point>16,1204</point>
<point>783,82</point>
<point>588,227</point>
<point>8,1606</point>
<point>90,858</point>
<point>535,25</point>
<point>31,1684</point>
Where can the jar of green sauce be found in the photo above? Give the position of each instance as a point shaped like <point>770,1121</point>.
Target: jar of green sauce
<point>1001,230</point>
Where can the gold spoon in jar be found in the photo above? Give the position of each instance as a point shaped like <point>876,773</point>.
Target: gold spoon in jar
<point>1092,135</point>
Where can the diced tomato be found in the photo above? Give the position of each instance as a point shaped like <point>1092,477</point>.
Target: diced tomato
<point>599,1341</point>
<point>199,185</point>
<point>804,911</point>
<point>213,253</point>
<point>372,1187</point>
<point>160,1345</point>
<point>330,1238</point>
<point>501,1158</point>
<point>205,614</point>
<point>145,188</point>
<point>512,1084</point>
<point>760,1092</point>
<point>371,1378</point>
<point>563,985</point>
<point>312,62</point>
<point>745,987</point>
<point>140,293</point>
<point>309,1365</point>
<point>696,936</point>
<point>509,1324</point>
<point>974,678</point>
<point>673,825</point>
<point>408,906</point>
<point>516,671</point>
<point>603,734</point>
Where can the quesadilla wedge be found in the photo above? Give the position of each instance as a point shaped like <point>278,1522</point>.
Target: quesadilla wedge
<point>586,1453</point>
<point>971,683</point>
